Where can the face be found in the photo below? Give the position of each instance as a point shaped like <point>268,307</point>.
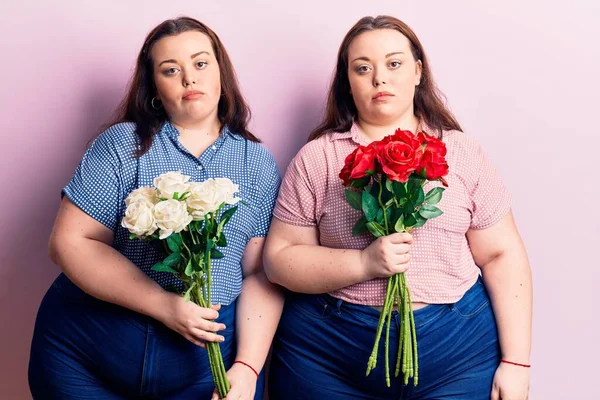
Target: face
<point>187,77</point>
<point>383,75</point>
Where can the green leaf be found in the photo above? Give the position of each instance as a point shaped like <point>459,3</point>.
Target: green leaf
<point>379,218</point>
<point>360,227</point>
<point>419,196</point>
<point>174,242</point>
<point>176,196</point>
<point>409,221</point>
<point>376,229</point>
<point>360,183</point>
<point>420,220</point>
<point>435,195</point>
<point>399,226</point>
<point>198,248</point>
<point>399,190</point>
<point>369,205</point>
<point>226,216</point>
<point>428,211</point>
<point>209,245</point>
<point>353,198</point>
<point>389,185</point>
<point>215,254</point>
<point>173,259</point>
<point>189,268</point>
<point>160,267</point>
<point>188,292</point>
<point>133,236</point>
<point>222,242</point>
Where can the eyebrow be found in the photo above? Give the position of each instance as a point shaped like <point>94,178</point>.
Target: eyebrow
<point>386,56</point>
<point>192,57</point>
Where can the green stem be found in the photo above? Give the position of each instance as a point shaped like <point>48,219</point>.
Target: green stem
<point>373,358</point>
<point>385,226</point>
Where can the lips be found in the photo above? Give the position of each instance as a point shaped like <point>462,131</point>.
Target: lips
<point>192,94</point>
<point>382,95</point>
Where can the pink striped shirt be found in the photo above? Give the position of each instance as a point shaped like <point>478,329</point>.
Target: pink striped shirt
<point>442,267</point>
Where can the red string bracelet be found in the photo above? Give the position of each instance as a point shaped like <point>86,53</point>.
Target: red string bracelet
<point>247,365</point>
<point>517,364</point>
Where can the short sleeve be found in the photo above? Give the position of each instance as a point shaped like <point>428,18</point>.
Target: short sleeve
<point>297,201</point>
<point>271,180</point>
<point>490,199</point>
<point>95,185</point>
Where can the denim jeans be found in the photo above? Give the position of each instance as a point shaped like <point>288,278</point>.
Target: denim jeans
<point>84,348</point>
<point>323,344</point>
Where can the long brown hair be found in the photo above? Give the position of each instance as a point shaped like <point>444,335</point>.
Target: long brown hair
<point>341,111</point>
<point>137,104</point>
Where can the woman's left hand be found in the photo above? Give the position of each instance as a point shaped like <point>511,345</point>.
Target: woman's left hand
<point>511,382</point>
<point>243,383</point>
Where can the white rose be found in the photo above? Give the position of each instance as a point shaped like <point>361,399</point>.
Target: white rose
<point>170,183</point>
<point>226,190</point>
<point>207,196</point>
<point>171,217</point>
<point>142,194</point>
<point>139,218</point>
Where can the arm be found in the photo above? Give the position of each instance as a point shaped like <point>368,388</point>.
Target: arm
<point>501,255</point>
<point>258,311</point>
<point>81,247</point>
<point>295,260</point>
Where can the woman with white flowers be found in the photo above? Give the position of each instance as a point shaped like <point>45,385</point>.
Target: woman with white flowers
<point>112,328</point>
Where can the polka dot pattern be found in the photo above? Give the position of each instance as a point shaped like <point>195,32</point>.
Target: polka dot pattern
<point>109,171</point>
<point>442,267</point>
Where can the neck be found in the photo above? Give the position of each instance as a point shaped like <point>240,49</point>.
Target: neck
<point>376,131</point>
<point>210,127</point>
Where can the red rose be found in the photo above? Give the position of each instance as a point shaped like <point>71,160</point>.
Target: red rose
<point>358,163</point>
<point>434,158</point>
<point>399,155</point>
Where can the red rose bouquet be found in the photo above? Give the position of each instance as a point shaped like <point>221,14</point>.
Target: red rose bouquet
<point>385,182</point>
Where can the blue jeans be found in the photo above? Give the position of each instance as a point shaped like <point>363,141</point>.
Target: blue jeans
<point>84,348</point>
<point>323,344</point>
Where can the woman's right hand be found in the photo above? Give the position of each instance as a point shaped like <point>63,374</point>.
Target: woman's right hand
<point>192,321</point>
<point>387,255</point>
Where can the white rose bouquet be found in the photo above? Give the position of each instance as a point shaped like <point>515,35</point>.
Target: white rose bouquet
<point>184,216</point>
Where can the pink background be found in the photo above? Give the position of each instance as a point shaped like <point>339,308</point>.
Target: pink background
<point>522,77</point>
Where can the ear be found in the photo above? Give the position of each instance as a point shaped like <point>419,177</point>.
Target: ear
<point>418,72</point>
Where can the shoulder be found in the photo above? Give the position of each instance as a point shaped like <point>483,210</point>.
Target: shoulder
<point>119,138</point>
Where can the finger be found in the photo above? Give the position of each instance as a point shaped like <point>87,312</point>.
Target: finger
<point>207,336</point>
<point>401,259</point>
<point>208,313</point>
<point>495,394</point>
<point>216,307</point>
<point>215,396</point>
<point>401,248</point>
<point>402,237</point>
<point>197,342</point>
<point>209,326</point>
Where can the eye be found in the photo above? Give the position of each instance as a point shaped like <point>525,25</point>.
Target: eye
<point>201,64</point>
<point>395,64</point>
<point>171,71</point>
<point>363,69</point>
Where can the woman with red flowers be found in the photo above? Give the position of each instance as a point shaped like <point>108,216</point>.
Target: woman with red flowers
<point>467,270</point>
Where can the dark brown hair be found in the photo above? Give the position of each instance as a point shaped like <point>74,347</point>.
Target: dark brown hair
<point>341,111</point>
<point>137,107</point>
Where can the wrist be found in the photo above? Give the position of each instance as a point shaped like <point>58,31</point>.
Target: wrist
<point>160,304</point>
<point>515,363</point>
<point>247,367</point>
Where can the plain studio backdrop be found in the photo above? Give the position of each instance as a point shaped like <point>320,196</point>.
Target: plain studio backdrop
<point>521,76</point>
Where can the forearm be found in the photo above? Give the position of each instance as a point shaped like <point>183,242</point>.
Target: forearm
<point>508,281</point>
<point>106,274</point>
<point>315,269</point>
<point>257,315</point>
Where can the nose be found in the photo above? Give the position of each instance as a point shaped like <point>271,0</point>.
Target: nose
<point>379,77</point>
<point>188,80</point>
